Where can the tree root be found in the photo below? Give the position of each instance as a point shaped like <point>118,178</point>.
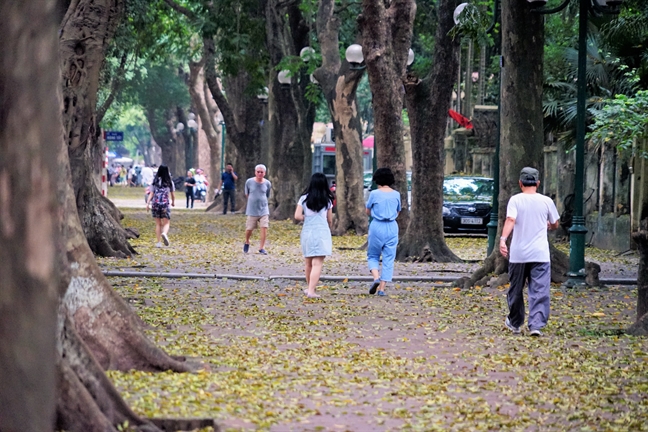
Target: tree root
<point>100,221</point>
<point>640,327</point>
<point>87,400</point>
<point>494,271</point>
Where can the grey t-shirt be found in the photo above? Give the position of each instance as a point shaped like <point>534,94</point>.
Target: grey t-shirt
<point>258,194</point>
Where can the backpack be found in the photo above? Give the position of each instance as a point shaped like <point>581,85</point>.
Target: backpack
<point>160,198</point>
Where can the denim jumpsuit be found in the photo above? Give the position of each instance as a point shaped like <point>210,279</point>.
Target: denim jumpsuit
<point>383,231</point>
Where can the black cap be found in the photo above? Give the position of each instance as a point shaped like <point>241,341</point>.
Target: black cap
<point>529,174</point>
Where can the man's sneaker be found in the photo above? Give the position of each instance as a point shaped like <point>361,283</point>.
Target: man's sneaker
<point>535,333</point>
<point>246,248</point>
<point>165,239</point>
<point>263,252</point>
<point>515,330</point>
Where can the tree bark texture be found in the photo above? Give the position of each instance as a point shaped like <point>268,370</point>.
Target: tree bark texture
<point>197,91</point>
<point>289,129</point>
<point>30,239</point>
<point>427,104</point>
<point>640,327</point>
<point>96,330</point>
<point>242,114</point>
<point>339,84</point>
<point>387,35</point>
<point>521,118</point>
<point>85,33</point>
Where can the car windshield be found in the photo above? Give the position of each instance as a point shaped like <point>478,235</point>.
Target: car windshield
<point>467,189</point>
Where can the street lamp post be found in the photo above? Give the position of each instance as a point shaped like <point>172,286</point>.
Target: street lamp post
<point>492,224</point>
<point>190,155</point>
<point>576,273</point>
<point>223,131</point>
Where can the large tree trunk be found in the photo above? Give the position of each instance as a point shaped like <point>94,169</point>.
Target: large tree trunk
<point>640,327</point>
<point>197,91</point>
<point>46,257</point>
<point>521,131</point>
<point>387,35</point>
<point>82,57</point>
<point>427,103</point>
<point>339,84</point>
<point>521,135</point>
<point>29,263</point>
<point>242,114</point>
<point>289,117</point>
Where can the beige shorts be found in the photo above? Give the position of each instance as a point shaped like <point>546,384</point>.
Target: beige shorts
<point>252,222</point>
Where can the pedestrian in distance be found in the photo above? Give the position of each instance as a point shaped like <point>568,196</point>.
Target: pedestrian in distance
<point>315,208</point>
<point>161,190</point>
<point>257,192</point>
<point>383,205</point>
<point>227,183</point>
<point>189,183</point>
<point>529,215</point>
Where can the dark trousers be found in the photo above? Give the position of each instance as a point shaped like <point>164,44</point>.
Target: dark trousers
<point>190,196</point>
<point>538,276</point>
<point>229,195</point>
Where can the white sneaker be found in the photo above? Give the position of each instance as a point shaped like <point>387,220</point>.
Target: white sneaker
<point>535,333</point>
<point>165,239</point>
<point>158,244</point>
<point>515,330</point>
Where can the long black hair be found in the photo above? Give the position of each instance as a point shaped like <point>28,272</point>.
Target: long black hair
<point>162,178</point>
<point>318,194</point>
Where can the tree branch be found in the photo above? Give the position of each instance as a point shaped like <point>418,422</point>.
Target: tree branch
<point>180,9</point>
<point>214,88</point>
<point>114,89</point>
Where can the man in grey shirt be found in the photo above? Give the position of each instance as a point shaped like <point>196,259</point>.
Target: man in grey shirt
<point>257,191</point>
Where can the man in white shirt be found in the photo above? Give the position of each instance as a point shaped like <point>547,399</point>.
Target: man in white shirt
<point>529,215</point>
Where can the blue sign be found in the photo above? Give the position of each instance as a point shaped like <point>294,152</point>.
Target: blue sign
<point>114,136</point>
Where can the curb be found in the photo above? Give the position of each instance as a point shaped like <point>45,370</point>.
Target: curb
<point>356,278</point>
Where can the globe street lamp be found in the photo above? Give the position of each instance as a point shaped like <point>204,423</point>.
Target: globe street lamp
<point>355,57</point>
<point>284,78</point>
<point>576,273</point>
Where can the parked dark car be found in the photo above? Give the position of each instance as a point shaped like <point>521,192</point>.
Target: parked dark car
<point>467,203</point>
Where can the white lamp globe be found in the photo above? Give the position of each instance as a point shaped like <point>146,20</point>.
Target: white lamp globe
<point>306,54</point>
<point>191,116</point>
<point>457,12</point>
<point>284,77</point>
<point>191,124</point>
<point>263,96</point>
<point>313,79</point>
<point>410,57</point>
<point>537,3</point>
<point>354,54</point>
<point>179,127</point>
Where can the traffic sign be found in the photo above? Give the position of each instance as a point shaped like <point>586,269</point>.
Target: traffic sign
<point>114,136</point>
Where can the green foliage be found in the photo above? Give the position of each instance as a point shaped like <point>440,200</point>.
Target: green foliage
<point>132,121</point>
<point>621,120</point>
<point>474,22</point>
<point>606,77</point>
<point>238,29</point>
<point>156,88</point>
